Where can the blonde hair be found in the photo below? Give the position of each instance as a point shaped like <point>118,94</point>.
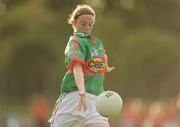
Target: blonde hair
<point>80,10</point>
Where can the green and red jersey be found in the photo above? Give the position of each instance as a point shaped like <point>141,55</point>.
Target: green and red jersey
<point>89,52</point>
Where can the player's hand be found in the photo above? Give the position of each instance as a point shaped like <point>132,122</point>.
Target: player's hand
<point>82,104</point>
<point>109,69</point>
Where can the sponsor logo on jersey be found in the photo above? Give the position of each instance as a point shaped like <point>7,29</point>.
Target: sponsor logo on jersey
<point>96,64</point>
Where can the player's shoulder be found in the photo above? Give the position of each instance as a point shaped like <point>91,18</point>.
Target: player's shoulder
<point>73,38</point>
<point>97,40</point>
<point>76,39</point>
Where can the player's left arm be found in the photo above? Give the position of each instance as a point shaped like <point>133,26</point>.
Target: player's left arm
<point>107,67</point>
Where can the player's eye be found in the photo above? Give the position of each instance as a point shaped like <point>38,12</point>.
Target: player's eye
<point>83,24</point>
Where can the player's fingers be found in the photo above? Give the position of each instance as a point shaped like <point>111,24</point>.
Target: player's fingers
<point>82,104</point>
<point>111,69</point>
<point>79,105</point>
<point>85,103</point>
<point>85,107</point>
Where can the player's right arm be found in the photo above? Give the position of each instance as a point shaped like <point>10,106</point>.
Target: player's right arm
<point>75,58</point>
<point>79,79</point>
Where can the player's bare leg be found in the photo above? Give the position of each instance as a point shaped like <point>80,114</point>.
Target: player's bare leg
<point>98,125</point>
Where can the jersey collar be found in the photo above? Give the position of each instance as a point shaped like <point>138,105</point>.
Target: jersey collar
<point>80,34</point>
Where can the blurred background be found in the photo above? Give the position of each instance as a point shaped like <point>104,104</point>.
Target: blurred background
<point>142,40</point>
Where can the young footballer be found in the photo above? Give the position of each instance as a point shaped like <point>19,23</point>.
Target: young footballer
<point>86,62</point>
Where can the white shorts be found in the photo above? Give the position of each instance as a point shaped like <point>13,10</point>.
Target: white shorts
<point>66,113</point>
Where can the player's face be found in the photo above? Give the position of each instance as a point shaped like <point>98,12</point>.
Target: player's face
<point>84,23</point>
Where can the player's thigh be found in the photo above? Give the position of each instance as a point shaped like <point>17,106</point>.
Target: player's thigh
<point>100,124</point>
<point>64,120</point>
<point>67,124</point>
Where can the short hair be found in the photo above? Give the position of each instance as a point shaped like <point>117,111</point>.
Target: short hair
<point>80,10</point>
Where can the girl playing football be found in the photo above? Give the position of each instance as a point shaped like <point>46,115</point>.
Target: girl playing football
<point>86,62</point>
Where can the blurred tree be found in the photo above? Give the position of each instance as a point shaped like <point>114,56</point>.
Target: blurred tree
<point>147,59</point>
<point>35,47</point>
<point>11,3</point>
<point>60,5</point>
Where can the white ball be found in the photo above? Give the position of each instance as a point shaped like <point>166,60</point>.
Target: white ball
<point>109,104</point>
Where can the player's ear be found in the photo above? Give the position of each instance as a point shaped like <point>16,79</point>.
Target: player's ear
<point>73,22</point>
